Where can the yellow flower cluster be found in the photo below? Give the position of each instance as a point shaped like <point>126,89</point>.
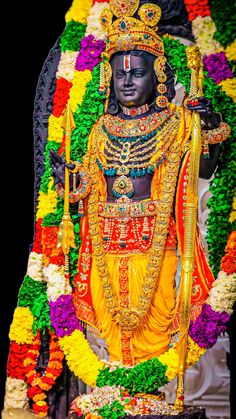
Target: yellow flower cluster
<point>232,216</point>
<point>231,51</point>
<point>171,359</point>
<point>79,11</point>
<point>229,87</point>
<point>47,202</point>
<point>77,91</point>
<point>80,358</point>
<point>55,130</point>
<point>21,327</point>
<point>194,353</point>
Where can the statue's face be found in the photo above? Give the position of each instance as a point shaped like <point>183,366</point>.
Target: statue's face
<point>133,80</point>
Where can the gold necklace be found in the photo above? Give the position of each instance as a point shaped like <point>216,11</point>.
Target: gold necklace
<point>140,127</point>
<point>121,158</point>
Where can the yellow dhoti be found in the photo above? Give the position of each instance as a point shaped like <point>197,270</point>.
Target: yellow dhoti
<point>153,337</point>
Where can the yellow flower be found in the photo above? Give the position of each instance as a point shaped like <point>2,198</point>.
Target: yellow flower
<point>41,403</point>
<point>77,91</point>
<point>80,358</point>
<point>55,130</point>
<point>79,11</point>
<point>232,216</point>
<point>171,359</point>
<point>47,202</point>
<point>231,51</point>
<point>194,352</point>
<point>21,327</point>
<point>229,87</point>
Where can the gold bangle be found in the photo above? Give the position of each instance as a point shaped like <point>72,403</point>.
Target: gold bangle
<point>76,168</point>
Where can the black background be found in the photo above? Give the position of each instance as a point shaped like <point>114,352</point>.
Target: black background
<point>32,29</point>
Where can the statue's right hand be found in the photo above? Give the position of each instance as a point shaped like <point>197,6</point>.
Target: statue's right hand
<point>58,167</point>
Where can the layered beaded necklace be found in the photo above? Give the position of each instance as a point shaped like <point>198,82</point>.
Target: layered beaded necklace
<point>133,148</point>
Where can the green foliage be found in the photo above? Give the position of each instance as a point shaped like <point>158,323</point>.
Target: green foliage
<point>224,15</point>
<point>114,410</point>
<point>145,377</point>
<point>72,35</point>
<point>33,294</point>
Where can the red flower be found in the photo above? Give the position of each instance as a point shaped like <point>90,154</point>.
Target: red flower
<point>32,391</point>
<point>15,365</point>
<point>228,263</point>
<point>37,246</point>
<point>37,408</point>
<point>49,245</point>
<point>197,8</point>
<point>61,96</point>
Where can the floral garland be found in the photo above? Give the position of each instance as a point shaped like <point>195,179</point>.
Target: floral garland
<point>44,292</point>
<point>213,30</point>
<point>39,385</point>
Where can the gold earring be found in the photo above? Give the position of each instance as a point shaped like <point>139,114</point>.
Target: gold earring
<point>105,80</point>
<point>159,68</point>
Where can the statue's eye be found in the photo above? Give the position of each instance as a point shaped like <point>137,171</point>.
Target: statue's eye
<point>120,74</point>
<point>138,73</point>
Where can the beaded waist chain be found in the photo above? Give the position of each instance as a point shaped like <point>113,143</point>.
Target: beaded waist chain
<point>127,208</point>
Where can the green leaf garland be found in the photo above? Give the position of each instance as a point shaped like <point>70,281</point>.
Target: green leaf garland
<point>145,377</point>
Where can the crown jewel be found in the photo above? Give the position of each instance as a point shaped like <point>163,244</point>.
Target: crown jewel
<point>129,33</point>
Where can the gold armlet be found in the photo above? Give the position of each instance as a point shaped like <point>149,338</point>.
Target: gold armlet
<point>76,168</point>
<point>83,189</point>
<point>214,136</point>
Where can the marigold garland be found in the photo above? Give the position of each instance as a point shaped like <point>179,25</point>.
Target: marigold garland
<point>21,327</point>
<point>39,384</point>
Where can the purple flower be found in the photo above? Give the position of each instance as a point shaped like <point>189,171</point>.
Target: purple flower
<point>217,67</point>
<point>90,53</point>
<point>208,326</point>
<point>63,317</point>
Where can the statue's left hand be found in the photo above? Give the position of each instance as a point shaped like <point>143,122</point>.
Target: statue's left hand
<point>205,109</point>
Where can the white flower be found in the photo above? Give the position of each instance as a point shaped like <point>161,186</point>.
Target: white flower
<point>57,285</point>
<point>15,394</point>
<point>34,268</point>
<point>94,26</point>
<point>66,65</point>
<point>223,293</point>
<point>203,31</point>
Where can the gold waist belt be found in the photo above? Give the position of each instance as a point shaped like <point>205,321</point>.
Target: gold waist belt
<point>129,209</point>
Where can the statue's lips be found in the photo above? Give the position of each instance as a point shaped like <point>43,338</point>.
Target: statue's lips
<point>128,92</point>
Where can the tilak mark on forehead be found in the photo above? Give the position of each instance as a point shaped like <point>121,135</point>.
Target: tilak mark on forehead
<point>126,62</point>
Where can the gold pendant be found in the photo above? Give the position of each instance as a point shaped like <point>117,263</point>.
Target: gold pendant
<point>123,170</point>
<point>123,186</point>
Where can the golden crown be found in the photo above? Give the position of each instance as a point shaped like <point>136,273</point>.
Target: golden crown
<point>128,33</point>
